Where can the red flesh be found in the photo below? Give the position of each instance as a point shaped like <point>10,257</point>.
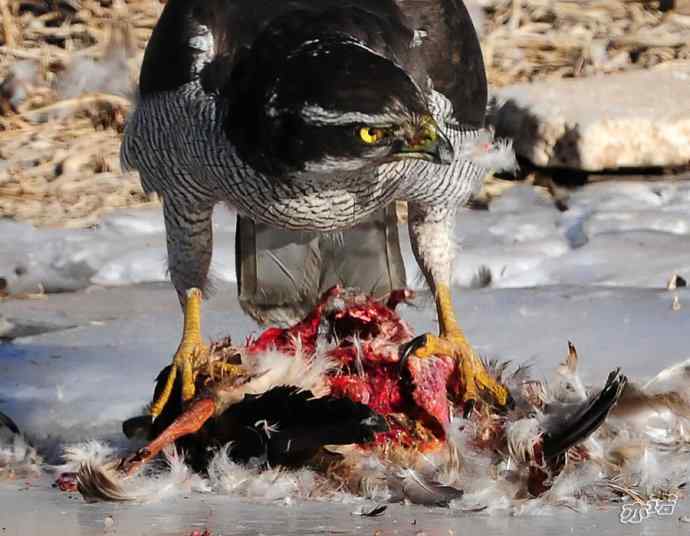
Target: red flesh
<point>419,392</point>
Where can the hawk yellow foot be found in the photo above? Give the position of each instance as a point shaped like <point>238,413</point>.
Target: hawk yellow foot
<point>452,342</point>
<point>189,352</point>
<point>474,376</point>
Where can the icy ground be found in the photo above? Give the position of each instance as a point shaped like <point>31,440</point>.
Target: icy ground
<point>595,274</point>
<point>621,234</point>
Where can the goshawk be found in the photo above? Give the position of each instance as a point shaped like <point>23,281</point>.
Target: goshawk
<point>311,118</point>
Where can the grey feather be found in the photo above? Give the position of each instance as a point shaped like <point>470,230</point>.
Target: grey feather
<point>8,423</point>
<point>283,273</point>
<point>412,486</point>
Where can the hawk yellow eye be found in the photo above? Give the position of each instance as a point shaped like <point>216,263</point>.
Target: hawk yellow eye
<point>371,135</point>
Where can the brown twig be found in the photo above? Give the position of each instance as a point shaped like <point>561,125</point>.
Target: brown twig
<point>9,27</point>
<point>68,107</point>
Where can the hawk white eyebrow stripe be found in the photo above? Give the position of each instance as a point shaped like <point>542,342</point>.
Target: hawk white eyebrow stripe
<point>317,115</point>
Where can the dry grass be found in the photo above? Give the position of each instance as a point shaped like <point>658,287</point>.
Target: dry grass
<point>527,40</point>
<point>67,69</point>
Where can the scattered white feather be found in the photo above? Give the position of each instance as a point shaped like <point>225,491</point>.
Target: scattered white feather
<point>522,436</point>
<point>267,427</point>
<point>675,378</point>
<point>575,486</point>
<point>489,486</point>
<point>18,459</point>
<point>415,486</point>
<point>92,452</point>
<point>487,152</point>
<point>100,479</point>
<point>251,481</point>
<point>273,368</point>
<point>359,352</point>
<point>565,385</point>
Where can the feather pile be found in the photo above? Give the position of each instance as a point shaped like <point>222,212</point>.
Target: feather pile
<point>327,410</point>
<point>18,459</point>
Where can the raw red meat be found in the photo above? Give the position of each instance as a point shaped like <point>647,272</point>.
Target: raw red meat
<point>369,335</point>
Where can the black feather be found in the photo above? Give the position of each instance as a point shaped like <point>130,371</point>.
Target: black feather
<point>452,55</point>
<point>449,52</point>
<point>301,425</point>
<point>8,423</point>
<point>143,426</point>
<point>567,430</point>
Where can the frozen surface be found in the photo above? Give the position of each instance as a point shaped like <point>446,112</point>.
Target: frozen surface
<point>57,513</point>
<point>594,274</point>
<point>616,234</point>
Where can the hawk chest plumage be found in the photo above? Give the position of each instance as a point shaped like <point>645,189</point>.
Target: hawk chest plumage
<point>182,131</point>
<point>178,137</point>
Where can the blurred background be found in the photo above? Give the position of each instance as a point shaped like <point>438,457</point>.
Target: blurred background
<point>594,93</point>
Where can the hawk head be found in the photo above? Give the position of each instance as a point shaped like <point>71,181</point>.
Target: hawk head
<point>327,106</point>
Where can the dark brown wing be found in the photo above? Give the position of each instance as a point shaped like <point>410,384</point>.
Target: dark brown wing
<point>453,57</point>
<point>449,44</point>
<point>188,30</point>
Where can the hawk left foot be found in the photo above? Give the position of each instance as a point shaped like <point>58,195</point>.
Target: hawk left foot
<point>452,342</point>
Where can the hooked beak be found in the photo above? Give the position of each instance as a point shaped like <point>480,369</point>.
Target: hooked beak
<point>427,143</point>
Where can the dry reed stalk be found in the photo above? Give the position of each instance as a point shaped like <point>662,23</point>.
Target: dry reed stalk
<point>544,39</point>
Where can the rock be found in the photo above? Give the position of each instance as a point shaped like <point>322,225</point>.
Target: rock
<point>634,119</point>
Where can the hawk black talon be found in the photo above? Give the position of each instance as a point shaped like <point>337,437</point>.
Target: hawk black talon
<point>510,403</point>
<point>501,410</point>
<point>508,406</point>
<point>469,408</point>
<point>410,347</point>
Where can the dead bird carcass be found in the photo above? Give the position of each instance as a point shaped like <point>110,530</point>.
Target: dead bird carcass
<point>341,393</point>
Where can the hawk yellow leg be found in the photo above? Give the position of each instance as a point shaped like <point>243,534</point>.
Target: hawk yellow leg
<point>189,351</point>
<point>451,341</point>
